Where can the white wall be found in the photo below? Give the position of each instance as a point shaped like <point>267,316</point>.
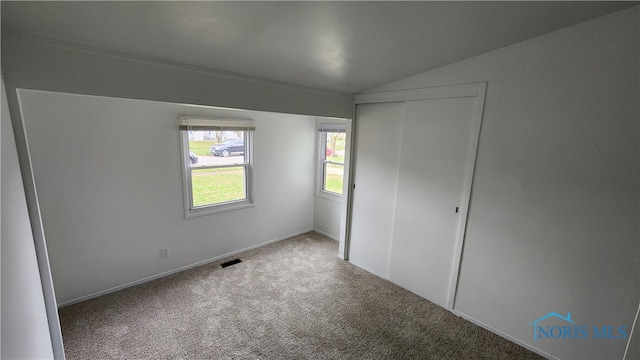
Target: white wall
<point>553,222</point>
<point>25,330</point>
<point>327,216</point>
<point>108,176</point>
<point>45,64</point>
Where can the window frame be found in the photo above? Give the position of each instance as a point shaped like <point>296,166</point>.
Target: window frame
<point>190,210</point>
<point>323,130</point>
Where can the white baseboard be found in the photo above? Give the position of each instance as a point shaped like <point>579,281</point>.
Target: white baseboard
<point>326,234</point>
<point>504,335</point>
<point>170,272</point>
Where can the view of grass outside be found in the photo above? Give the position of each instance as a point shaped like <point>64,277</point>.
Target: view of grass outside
<point>335,141</point>
<point>219,185</point>
<point>201,147</point>
<point>333,166</point>
<point>212,186</point>
<point>333,176</point>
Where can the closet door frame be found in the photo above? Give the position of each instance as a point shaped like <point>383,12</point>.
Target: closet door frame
<point>473,90</point>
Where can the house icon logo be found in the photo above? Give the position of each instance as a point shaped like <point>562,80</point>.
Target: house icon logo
<point>556,326</point>
<point>537,329</point>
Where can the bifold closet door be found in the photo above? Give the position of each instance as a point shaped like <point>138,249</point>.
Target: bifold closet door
<point>377,157</point>
<point>434,158</point>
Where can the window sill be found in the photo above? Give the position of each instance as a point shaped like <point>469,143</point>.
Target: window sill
<point>329,196</point>
<point>218,209</point>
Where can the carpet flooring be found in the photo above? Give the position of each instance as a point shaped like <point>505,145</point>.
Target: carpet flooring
<point>293,299</point>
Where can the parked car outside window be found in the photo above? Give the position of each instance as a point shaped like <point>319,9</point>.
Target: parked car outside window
<point>193,158</point>
<point>235,146</point>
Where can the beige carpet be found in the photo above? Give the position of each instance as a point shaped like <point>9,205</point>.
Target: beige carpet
<point>290,300</point>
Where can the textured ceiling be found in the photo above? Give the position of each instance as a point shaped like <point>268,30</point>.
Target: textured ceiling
<point>340,46</point>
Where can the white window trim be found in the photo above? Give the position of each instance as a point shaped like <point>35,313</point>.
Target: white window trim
<point>189,210</point>
<point>323,129</point>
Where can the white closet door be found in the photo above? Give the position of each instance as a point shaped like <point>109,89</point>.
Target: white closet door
<point>434,159</point>
<point>378,136</point>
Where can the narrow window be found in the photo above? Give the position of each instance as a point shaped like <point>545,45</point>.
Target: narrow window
<point>217,164</point>
<point>332,151</point>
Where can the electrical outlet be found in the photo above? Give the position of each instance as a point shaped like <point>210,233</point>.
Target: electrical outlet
<point>164,252</point>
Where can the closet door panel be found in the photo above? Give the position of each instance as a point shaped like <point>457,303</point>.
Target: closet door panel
<point>433,161</point>
<point>377,154</point>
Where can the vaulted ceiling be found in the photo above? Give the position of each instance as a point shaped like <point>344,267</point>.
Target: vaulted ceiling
<point>339,46</point>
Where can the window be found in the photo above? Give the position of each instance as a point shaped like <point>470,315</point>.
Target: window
<point>217,166</point>
<point>332,151</point>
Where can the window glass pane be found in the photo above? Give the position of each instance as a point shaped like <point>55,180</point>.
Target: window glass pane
<point>215,148</point>
<point>334,149</point>
<point>214,186</point>
<point>333,175</point>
